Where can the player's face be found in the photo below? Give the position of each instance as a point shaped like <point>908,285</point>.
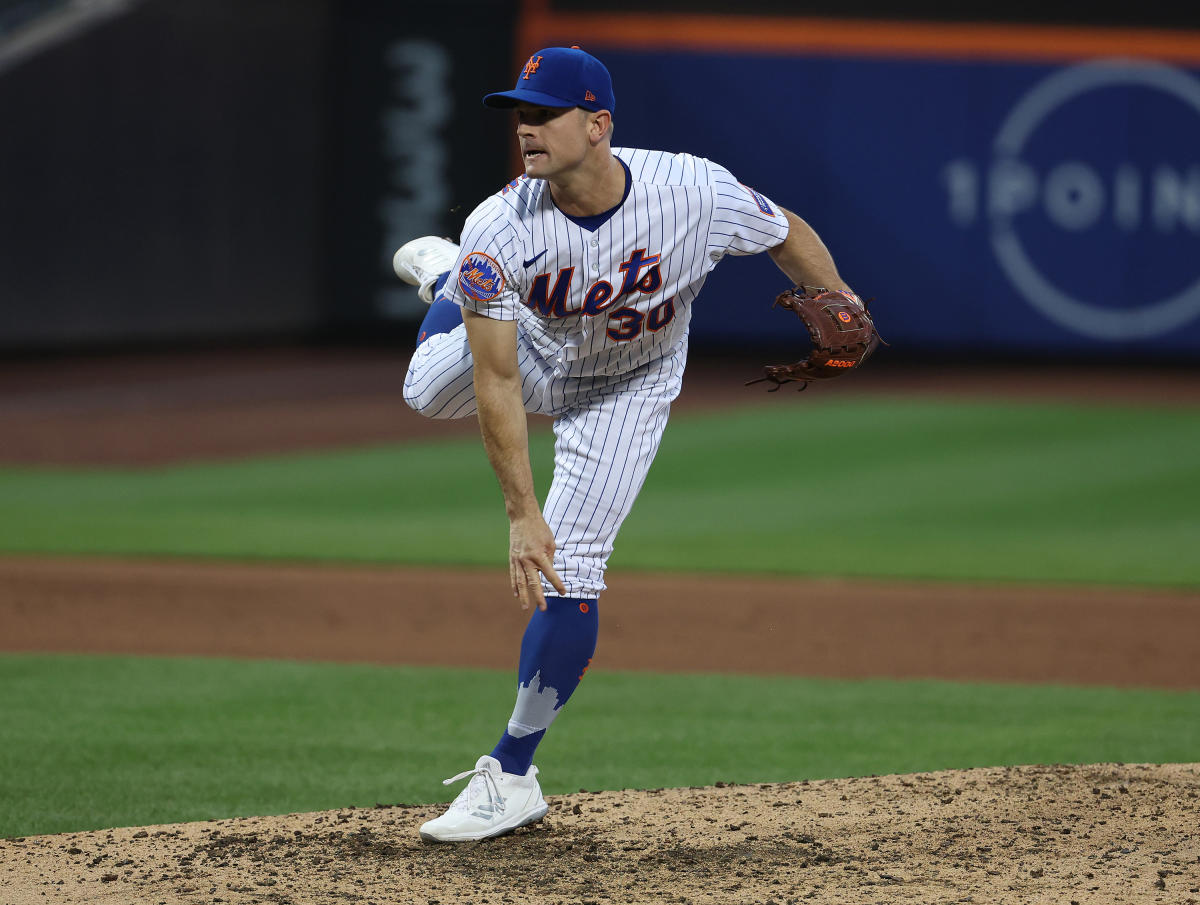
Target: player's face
<point>553,139</point>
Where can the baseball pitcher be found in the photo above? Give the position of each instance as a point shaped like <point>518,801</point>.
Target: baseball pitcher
<point>569,294</point>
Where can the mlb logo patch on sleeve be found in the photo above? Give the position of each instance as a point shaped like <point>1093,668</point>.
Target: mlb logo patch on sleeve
<point>480,277</point>
<point>763,204</point>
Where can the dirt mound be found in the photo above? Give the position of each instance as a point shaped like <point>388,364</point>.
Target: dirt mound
<point>1095,834</point>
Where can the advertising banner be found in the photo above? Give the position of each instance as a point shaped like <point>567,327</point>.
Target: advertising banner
<point>1015,206</point>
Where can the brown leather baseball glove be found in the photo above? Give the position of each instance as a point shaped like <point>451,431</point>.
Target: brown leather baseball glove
<point>843,335</point>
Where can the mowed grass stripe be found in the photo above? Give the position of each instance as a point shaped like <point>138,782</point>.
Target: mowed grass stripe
<point>866,487</point>
<point>91,742</point>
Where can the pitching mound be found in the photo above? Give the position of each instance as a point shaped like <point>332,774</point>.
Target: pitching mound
<point>1096,834</point>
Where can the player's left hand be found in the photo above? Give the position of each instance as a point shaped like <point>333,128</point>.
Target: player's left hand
<point>531,555</point>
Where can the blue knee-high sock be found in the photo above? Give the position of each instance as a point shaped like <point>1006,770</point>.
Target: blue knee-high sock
<point>555,653</point>
<point>443,314</point>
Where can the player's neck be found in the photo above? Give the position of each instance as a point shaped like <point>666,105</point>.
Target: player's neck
<point>592,188</point>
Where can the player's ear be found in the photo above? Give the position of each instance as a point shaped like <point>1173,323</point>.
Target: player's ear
<point>599,126</point>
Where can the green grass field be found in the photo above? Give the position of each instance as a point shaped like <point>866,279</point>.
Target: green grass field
<point>955,490</point>
<point>90,742</point>
<point>944,491</point>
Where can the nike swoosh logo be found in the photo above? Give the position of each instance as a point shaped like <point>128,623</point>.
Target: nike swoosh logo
<point>534,259</point>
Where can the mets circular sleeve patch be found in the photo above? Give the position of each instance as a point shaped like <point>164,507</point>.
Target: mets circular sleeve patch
<point>480,277</point>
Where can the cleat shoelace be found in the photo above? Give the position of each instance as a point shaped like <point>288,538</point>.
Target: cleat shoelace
<point>482,781</point>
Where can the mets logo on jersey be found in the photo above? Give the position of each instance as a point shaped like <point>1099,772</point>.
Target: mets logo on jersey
<point>480,277</point>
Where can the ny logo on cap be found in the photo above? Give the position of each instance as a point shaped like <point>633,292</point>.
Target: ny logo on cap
<point>531,66</point>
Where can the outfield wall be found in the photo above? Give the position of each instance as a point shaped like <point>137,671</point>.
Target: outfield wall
<point>1004,188</point>
<point>161,172</point>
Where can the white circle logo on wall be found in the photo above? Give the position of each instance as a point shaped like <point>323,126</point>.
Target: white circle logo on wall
<point>1073,195</point>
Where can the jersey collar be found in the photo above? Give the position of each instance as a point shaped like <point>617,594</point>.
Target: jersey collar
<point>594,222</point>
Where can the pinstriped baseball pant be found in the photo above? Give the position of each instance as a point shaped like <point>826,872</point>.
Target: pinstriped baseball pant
<point>607,431</point>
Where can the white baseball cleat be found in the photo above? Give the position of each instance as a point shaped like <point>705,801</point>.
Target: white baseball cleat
<point>421,261</point>
<point>492,804</point>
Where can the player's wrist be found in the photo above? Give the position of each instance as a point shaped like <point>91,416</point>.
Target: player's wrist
<point>522,510</point>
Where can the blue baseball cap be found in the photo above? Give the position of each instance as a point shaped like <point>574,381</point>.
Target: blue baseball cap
<point>560,77</point>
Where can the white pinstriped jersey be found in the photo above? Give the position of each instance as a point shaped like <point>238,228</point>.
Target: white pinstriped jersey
<point>606,301</point>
